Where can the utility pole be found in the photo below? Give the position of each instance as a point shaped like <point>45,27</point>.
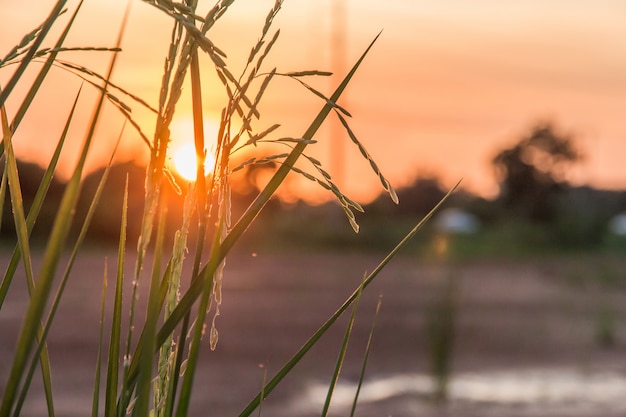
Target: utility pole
<point>338,51</point>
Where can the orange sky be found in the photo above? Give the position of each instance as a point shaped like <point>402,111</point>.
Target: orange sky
<point>447,85</point>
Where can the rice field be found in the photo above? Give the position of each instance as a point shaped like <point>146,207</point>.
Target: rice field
<point>193,324</point>
<point>525,340</point>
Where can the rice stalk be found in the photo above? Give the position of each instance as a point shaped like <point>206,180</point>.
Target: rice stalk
<point>28,56</point>
<point>241,90</point>
<point>187,57</point>
<point>79,69</point>
<point>204,213</point>
<point>179,365</point>
<point>16,58</point>
<point>168,358</point>
<point>22,47</point>
<point>253,111</point>
<point>46,51</point>
<point>171,87</point>
<point>167,352</point>
<point>330,186</point>
<point>307,73</point>
<point>385,183</point>
<point>175,10</point>
<point>220,251</point>
<point>30,96</point>
<point>212,287</point>
<point>254,139</point>
<point>260,161</point>
<point>279,176</point>
<point>317,93</point>
<point>207,282</point>
<point>155,173</point>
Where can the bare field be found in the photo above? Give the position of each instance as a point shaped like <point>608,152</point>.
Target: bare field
<point>527,336</point>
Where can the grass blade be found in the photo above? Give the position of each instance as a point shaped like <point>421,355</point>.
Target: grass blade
<point>65,278</point>
<point>24,245</point>
<point>113,360</point>
<point>52,254</point>
<point>144,380</point>
<point>324,328</point>
<point>36,204</point>
<point>3,195</point>
<point>78,69</point>
<point>32,92</point>
<point>95,403</point>
<point>365,358</point>
<point>166,284</point>
<point>342,352</point>
<point>15,191</point>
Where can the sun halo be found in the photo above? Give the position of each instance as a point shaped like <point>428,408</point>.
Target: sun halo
<point>184,161</point>
<point>182,148</point>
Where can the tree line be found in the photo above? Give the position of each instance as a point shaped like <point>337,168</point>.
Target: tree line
<point>531,174</point>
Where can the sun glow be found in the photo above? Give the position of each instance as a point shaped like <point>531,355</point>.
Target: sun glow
<point>183,151</point>
<point>184,161</point>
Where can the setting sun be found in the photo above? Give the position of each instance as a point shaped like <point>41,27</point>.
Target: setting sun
<point>183,152</point>
<point>184,161</point>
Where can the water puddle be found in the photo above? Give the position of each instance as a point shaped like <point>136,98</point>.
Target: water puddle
<point>561,389</point>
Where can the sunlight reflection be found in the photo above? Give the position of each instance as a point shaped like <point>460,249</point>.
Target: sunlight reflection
<point>560,387</point>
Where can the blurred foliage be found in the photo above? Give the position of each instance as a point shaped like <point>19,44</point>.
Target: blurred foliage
<point>536,212</point>
<point>532,173</point>
<point>30,177</point>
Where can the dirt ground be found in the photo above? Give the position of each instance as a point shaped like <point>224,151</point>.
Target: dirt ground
<point>527,336</point>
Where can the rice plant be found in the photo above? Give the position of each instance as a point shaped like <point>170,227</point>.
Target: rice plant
<point>151,367</point>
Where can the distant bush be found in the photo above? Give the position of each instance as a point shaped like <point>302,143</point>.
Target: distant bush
<point>31,175</point>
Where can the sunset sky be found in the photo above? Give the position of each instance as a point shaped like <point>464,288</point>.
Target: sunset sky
<point>447,85</point>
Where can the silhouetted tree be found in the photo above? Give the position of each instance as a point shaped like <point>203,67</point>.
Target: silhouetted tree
<point>531,174</point>
<point>30,176</point>
<point>416,199</point>
<point>105,226</point>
